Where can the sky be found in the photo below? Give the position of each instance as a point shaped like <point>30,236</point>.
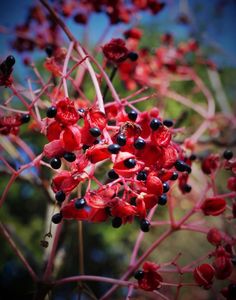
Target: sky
<point>212,23</point>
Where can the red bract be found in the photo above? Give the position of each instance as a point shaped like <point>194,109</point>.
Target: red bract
<point>151,279</point>
<point>96,118</point>
<point>96,200</point>
<point>154,185</point>
<point>210,163</point>
<point>213,206</point>
<point>120,167</point>
<point>97,215</point>
<point>115,50</point>
<point>70,212</point>
<point>204,275</point>
<point>214,236</point>
<point>66,112</point>
<point>97,153</point>
<point>71,138</point>
<point>64,181</point>
<point>123,209</point>
<point>53,149</point>
<point>161,137</point>
<point>54,130</point>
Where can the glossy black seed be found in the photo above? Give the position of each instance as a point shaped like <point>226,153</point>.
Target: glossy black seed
<point>162,200</point>
<point>25,118</point>
<point>60,196</point>
<point>121,139</point>
<point>95,131</point>
<point>181,166</point>
<point>139,274</point>
<point>112,174</point>
<point>114,148</point>
<point>145,225</point>
<point>174,176</point>
<point>139,143</point>
<point>142,175</point>
<point>49,50</point>
<point>187,188</point>
<point>193,157</point>
<point>80,203</point>
<point>155,124</point>
<point>132,115</point>
<point>10,61</point>
<point>228,154</point>
<point>166,187</point>
<point>188,168</point>
<point>81,110</point>
<point>51,112</point>
<point>130,163</point>
<point>55,163</point>
<point>116,222</point>
<point>133,56</point>
<point>69,156</point>
<point>168,123</point>
<point>56,219</point>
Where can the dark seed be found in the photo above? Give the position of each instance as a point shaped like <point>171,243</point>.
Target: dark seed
<point>60,196</point>
<point>130,163</point>
<point>132,115</point>
<point>55,163</point>
<point>116,222</point>
<point>168,123</point>
<point>112,174</point>
<point>193,157</point>
<point>133,56</point>
<point>10,61</point>
<point>166,187</point>
<point>85,147</point>
<point>174,176</point>
<point>69,156</point>
<point>162,200</point>
<point>139,143</point>
<point>80,203</point>
<point>139,274</point>
<point>49,50</point>
<point>181,166</point>
<point>51,112</point>
<point>121,139</point>
<point>95,131</point>
<point>56,219</point>
<point>228,154</point>
<point>114,148</point>
<point>145,225</point>
<point>155,124</point>
<point>142,175</point>
<point>187,188</point>
<point>25,118</point>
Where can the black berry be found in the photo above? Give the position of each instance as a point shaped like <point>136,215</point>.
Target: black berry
<point>121,139</point>
<point>112,174</point>
<point>187,188</point>
<point>81,110</point>
<point>166,187</point>
<point>168,123</point>
<point>51,112</point>
<point>133,201</point>
<point>60,196</point>
<point>193,157</point>
<point>181,166</point>
<point>116,222</point>
<point>155,124</point>
<point>142,175</point>
<point>56,219</point>
<point>145,225</point>
<point>55,163</point>
<point>130,163</point>
<point>228,154</point>
<point>80,203</point>
<point>139,274</point>
<point>174,176</point>
<point>69,156</point>
<point>25,118</point>
<point>132,115</point>
<point>162,200</point>
<point>85,147</point>
<point>139,143</point>
<point>95,131</point>
<point>49,50</point>
<point>10,61</point>
<point>114,148</point>
<point>133,56</point>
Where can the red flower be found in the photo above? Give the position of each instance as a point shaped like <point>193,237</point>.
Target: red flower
<point>151,279</point>
<point>213,206</point>
<point>66,112</point>
<point>115,50</point>
<point>204,274</point>
<point>214,236</point>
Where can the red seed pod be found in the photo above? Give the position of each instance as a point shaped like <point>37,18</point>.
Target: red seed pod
<point>213,206</point>
<point>214,236</point>
<point>151,279</point>
<point>120,165</point>
<point>97,153</point>
<point>231,184</point>
<point>64,181</point>
<point>154,185</point>
<point>97,215</point>
<point>54,130</point>
<point>161,137</point>
<point>96,118</point>
<point>123,209</point>
<point>115,50</point>
<point>210,163</point>
<point>53,149</point>
<point>66,112</point>
<point>204,274</point>
<point>223,267</point>
<point>71,138</point>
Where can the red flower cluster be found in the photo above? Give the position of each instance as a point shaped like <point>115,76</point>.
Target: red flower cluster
<point>11,123</point>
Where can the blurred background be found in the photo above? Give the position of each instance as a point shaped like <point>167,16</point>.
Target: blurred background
<point>28,205</point>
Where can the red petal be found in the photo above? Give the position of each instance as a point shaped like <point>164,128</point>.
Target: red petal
<point>71,138</point>
<point>161,137</point>
<point>53,149</point>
